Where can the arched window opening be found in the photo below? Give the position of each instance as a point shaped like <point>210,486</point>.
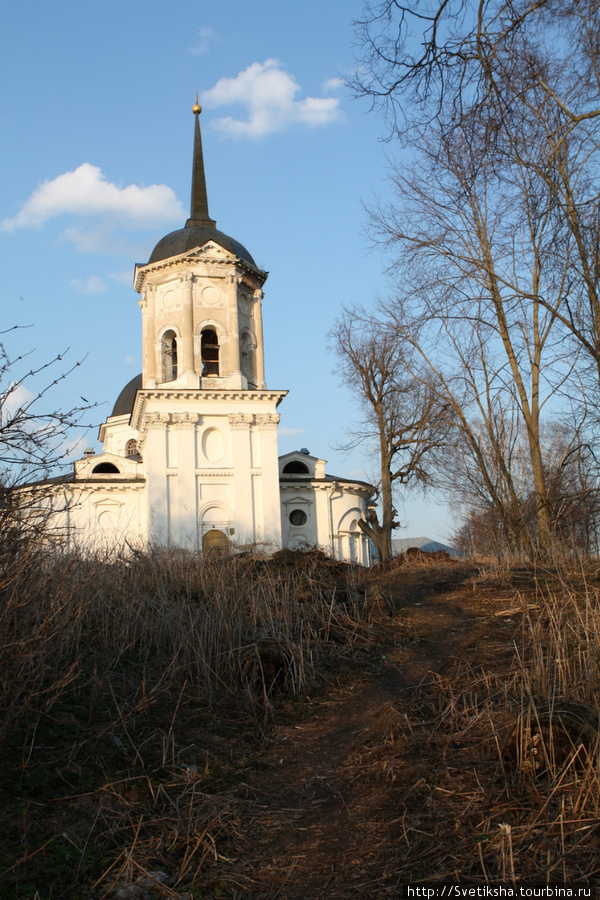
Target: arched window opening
<point>105,468</point>
<point>295,467</point>
<point>210,352</point>
<point>170,356</point>
<point>132,448</point>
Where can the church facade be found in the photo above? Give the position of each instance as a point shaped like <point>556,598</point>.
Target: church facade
<point>190,453</point>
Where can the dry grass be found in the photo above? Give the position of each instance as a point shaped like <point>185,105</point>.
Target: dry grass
<point>503,747</point>
<point>126,685</point>
<point>136,695</point>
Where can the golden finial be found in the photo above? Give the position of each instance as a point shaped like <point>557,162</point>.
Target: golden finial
<point>196,108</point>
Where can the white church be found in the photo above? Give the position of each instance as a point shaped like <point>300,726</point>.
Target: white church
<point>189,453</point>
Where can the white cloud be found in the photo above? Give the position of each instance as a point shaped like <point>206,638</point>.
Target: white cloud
<point>318,110</point>
<point>93,285</point>
<point>268,94</point>
<point>333,84</point>
<point>89,240</point>
<point>201,46</point>
<point>287,432</point>
<point>105,238</point>
<point>17,396</point>
<point>86,192</point>
<point>130,360</point>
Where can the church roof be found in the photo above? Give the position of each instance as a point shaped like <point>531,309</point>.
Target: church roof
<point>126,399</point>
<point>196,236</point>
<point>199,228</point>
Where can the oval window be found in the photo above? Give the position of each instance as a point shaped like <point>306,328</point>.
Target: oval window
<point>298,517</point>
<point>213,445</point>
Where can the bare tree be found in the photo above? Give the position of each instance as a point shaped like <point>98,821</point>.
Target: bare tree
<point>574,496</point>
<point>33,437</point>
<point>475,256</point>
<point>524,77</point>
<point>402,416</point>
<point>443,59</point>
<point>495,224</point>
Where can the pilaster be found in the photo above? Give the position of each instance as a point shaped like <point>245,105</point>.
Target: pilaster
<point>187,332</point>
<point>185,426</point>
<point>266,425</point>
<point>239,426</point>
<point>155,462</point>
<point>148,307</point>
<point>258,328</point>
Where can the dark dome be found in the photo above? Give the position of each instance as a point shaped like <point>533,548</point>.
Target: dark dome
<point>196,236</point>
<point>126,399</point>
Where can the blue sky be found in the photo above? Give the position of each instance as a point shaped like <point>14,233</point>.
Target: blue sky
<point>96,148</point>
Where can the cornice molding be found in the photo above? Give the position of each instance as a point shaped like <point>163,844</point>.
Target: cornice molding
<point>195,256</point>
<point>138,416</point>
<point>111,486</point>
<point>349,487</point>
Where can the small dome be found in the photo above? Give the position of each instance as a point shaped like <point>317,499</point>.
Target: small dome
<point>196,236</point>
<point>126,399</point>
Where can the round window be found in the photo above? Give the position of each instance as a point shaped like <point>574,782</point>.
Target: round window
<point>298,517</point>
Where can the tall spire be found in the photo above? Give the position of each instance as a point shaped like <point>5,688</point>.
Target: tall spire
<point>199,214</point>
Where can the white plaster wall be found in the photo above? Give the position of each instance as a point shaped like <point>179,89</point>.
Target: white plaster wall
<point>332,510</point>
<point>211,451</point>
<point>115,433</point>
<point>101,517</point>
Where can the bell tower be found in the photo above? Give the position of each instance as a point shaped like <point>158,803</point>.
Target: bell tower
<point>207,422</point>
<point>201,302</point>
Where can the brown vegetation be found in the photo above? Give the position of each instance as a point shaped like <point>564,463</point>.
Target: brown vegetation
<point>293,727</point>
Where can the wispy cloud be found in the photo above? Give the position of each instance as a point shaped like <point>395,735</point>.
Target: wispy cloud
<point>333,84</point>
<point>267,93</point>
<point>92,285</point>
<point>287,432</point>
<point>106,238</point>
<point>123,277</point>
<point>17,396</point>
<point>203,41</point>
<point>87,192</point>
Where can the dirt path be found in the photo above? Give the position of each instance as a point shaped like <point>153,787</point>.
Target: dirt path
<point>320,804</point>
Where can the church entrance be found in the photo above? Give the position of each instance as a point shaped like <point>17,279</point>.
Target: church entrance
<point>215,542</point>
